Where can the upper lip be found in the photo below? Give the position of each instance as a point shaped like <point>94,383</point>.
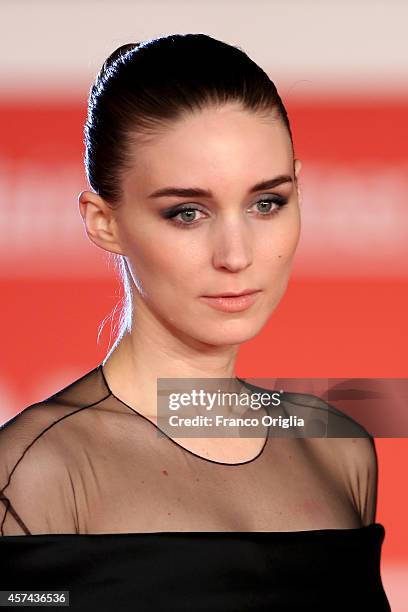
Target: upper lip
<point>233,293</point>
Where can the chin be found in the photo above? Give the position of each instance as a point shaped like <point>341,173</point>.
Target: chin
<point>231,332</point>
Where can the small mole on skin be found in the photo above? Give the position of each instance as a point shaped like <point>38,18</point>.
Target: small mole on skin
<point>165,472</point>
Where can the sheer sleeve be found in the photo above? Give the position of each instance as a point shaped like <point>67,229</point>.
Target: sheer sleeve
<point>362,470</point>
<point>36,495</point>
<point>347,445</point>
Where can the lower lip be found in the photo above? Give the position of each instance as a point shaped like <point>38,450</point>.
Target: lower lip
<point>232,304</point>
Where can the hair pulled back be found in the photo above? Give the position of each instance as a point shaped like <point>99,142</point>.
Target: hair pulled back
<point>143,87</point>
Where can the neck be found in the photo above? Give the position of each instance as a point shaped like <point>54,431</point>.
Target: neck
<point>138,359</point>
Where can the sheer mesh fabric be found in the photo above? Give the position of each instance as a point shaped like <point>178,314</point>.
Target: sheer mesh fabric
<point>83,462</point>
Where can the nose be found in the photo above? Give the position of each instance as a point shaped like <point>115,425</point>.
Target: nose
<point>232,246</point>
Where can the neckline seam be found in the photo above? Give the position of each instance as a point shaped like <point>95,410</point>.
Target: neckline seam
<point>260,453</point>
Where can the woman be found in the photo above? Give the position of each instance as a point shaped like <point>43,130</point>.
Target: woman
<point>190,159</point>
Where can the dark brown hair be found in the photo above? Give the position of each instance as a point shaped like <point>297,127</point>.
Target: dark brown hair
<point>143,87</point>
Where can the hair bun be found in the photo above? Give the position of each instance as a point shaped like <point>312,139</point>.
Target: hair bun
<point>115,55</point>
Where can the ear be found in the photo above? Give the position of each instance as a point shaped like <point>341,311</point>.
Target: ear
<point>99,222</point>
<point>298,166</point>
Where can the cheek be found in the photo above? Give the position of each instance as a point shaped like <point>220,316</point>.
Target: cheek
<point>274,257</point>
<point>159,263</point>
<point>278,243</point>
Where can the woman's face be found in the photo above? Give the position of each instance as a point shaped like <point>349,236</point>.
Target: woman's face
<point>233,238</point>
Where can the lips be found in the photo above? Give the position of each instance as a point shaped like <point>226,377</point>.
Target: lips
<point>233,294</point>
<point>231,304</point>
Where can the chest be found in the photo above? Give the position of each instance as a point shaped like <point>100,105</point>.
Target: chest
<point>164,488</point>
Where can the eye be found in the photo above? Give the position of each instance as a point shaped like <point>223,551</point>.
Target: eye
<point>273,206</point>
<point>188,214</point>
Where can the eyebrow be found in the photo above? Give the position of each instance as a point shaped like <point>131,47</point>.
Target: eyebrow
<point>193,192</point>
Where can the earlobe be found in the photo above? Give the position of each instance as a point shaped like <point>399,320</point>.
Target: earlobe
<point>98,222</point>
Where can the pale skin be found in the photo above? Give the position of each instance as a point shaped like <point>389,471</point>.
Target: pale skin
<point>231,244</point>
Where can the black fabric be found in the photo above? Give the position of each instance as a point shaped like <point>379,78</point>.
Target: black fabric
<point>94,501</point>
<point>328,570</point>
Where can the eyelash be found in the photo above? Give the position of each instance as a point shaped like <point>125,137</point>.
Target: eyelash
<point>172,213</point>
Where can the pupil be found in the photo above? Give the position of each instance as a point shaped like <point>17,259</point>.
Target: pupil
<point>188,212</point>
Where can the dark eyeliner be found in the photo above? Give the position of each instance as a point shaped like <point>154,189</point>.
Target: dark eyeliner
<point>172,212</point>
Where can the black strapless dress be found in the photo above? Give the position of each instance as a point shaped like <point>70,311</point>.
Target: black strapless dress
<point>328,569</point>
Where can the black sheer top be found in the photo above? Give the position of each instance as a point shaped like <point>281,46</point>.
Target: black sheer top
<point>93,501</point>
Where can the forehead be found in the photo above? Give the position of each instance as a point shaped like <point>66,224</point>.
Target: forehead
<point>215,145</point>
